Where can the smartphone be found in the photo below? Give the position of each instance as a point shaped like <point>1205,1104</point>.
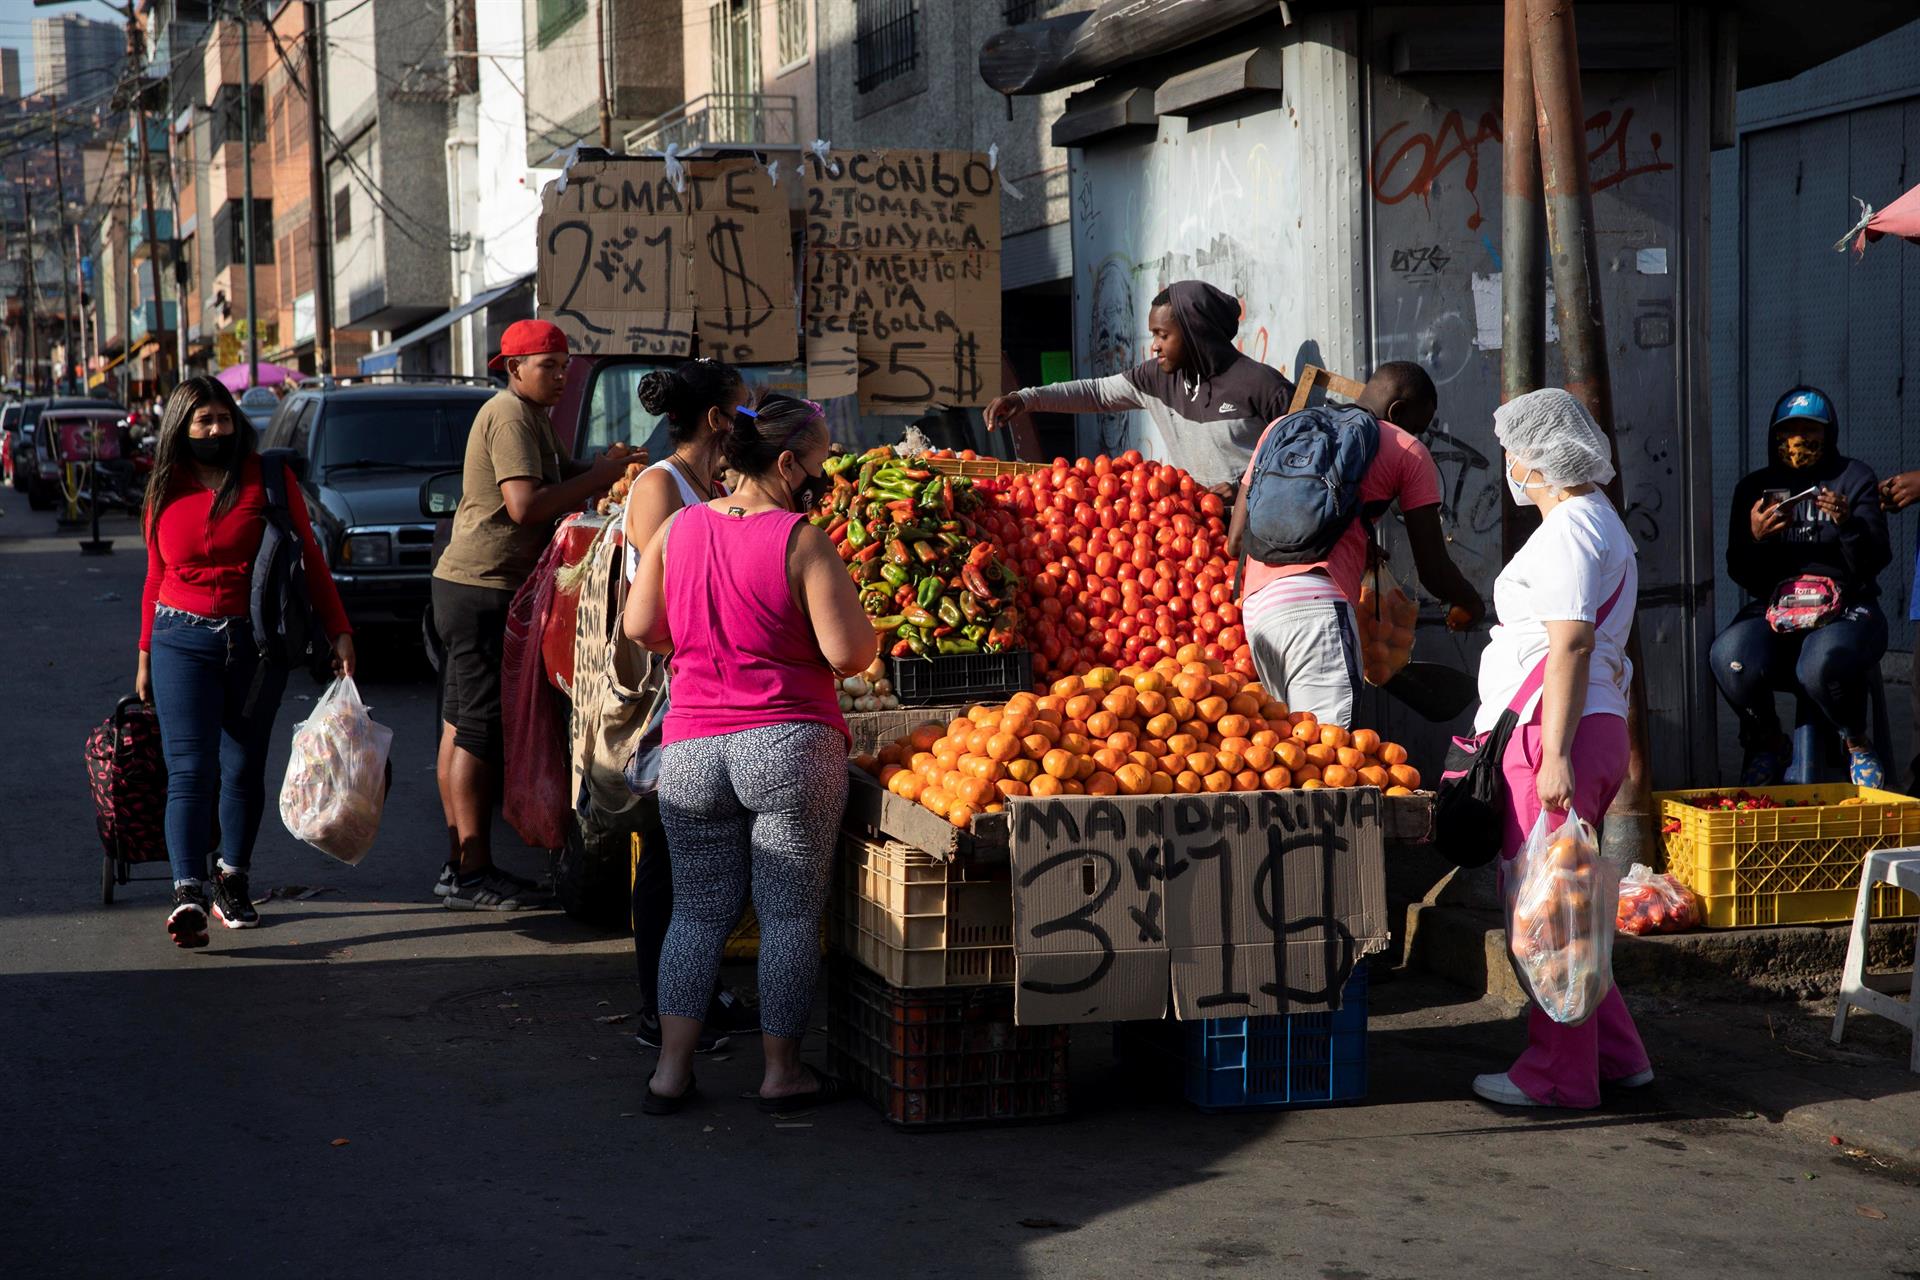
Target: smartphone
<point>1774,497</point>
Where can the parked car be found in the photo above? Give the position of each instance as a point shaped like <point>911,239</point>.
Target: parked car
<point>361,450</point>
<point>36,467</point>
<point>259,404</point>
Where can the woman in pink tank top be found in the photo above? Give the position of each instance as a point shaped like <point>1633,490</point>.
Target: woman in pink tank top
<point>759,615</point>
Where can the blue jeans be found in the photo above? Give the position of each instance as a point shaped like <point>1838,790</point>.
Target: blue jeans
<point>1829,665</point>
<point>202,674</point>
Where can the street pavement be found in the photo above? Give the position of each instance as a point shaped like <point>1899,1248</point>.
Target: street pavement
<point>372,1085</point>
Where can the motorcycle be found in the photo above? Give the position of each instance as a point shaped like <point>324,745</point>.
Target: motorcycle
<point>119,483</point>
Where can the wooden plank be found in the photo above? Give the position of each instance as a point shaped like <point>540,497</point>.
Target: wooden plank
<point>1332,383</point>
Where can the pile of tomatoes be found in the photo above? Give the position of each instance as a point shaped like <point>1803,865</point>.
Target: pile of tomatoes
<point>1124,561</point>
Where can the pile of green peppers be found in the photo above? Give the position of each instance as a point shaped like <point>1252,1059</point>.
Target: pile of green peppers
<point>928,579</point>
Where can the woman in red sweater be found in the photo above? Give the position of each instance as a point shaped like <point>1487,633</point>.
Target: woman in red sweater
<point>206,512</point>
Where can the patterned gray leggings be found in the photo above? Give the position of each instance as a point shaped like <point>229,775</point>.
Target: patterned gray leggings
<point>765,804</point>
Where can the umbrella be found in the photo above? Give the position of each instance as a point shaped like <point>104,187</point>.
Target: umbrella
<point>238,377</point>
<point>1901,218</point>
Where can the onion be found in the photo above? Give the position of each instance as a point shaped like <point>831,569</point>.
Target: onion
<point>877,671</point>
<point>889,703</point>
<point>883,686</point>
<point>857,686</point>
<point>846,704</point>
<point>866,702</point>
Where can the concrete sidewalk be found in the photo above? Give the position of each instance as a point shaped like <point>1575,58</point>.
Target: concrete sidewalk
<point>1742,1015</point>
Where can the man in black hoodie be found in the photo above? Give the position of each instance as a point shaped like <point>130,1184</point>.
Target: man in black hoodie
<point>1810,511</point>
<point>1209,401</point>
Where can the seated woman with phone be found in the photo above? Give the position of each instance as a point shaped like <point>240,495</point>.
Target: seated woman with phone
<point>1806,540</point>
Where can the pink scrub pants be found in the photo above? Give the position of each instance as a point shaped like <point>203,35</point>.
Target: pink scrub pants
<point>1563,1066</point>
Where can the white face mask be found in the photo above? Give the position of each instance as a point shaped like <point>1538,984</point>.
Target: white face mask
<point>1517,489</point>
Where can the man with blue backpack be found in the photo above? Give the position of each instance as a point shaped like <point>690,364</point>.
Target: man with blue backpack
<point>1303,523</point>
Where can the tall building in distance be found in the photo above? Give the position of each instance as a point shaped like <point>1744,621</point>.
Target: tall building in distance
<point>75,56</point>
<point>10,86</point>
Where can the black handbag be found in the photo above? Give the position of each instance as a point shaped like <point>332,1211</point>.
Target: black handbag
<point>1470,809</point>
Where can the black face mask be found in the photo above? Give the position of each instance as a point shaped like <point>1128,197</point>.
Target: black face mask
<point>213,451</point>
<point>811,491</point>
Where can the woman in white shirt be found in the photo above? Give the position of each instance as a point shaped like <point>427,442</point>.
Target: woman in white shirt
<point>699,400</point>
<point>1565,599</point>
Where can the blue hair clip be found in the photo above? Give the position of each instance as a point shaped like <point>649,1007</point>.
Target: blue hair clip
<point>748,412</point>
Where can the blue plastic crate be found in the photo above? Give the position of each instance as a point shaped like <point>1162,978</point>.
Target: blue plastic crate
<point>1284,1061</point>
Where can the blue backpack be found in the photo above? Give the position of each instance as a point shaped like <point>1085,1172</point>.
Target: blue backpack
<point>1305,489</point>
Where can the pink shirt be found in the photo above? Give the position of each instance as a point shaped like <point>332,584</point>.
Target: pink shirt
<point>744,656</point>
<point>1402,472</point>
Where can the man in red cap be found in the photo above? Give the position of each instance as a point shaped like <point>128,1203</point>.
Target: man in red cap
<point>517,481</point>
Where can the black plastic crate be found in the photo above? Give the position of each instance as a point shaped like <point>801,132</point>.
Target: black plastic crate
<point>960,677</point>
<point>930,1058</point>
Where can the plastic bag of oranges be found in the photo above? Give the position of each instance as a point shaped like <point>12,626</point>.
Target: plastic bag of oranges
<point>1385,615</point>
<point>1561,896</point>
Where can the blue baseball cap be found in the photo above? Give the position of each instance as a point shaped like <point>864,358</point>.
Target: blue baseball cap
<point>1805,402</point>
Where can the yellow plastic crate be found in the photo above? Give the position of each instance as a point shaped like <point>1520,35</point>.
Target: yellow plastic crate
<point>1788,866</point>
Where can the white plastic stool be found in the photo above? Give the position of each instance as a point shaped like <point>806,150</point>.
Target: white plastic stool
<point>1864,990</point>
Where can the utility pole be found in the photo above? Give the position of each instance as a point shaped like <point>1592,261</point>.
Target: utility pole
<point>319,204</point>
<point>1523,336</point>
<point>1568,185</point>
<point>66,274</point>
<point>246,179</point>
<point>33,324</point>
<point>600,49</point>
<point>138,114</point>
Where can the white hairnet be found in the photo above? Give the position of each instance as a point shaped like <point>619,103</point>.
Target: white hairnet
<point>1551,432</point>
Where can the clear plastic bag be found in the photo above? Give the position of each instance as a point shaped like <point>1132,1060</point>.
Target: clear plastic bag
<point>1385,615</point>
<point>1560,897</point>
<point>1655,903</point>
<point>336,787</point>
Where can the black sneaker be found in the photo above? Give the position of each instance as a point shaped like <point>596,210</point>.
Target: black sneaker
<point>493,890</point>
<point>648,1034</point>
<point>730,1016</point>
<point>232,906</point>
<point>448,878</point>
<point>187,922</point>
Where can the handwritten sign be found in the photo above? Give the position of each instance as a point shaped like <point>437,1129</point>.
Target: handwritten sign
<point>632,262</point>
<point>1229,905</point>
<point>902,278</point>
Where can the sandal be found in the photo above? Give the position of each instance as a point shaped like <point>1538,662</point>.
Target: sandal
<point>825,1089</point>
<point>659,1104</point>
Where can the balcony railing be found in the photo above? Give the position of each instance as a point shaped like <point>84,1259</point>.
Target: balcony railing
<point>151,317</point>
<point>163,230</point>
<point>721,119</point>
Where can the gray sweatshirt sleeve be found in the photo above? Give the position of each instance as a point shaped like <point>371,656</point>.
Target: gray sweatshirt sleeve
<point>1085,395</point>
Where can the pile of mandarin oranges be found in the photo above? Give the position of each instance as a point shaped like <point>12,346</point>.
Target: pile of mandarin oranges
<point>1186,725</point>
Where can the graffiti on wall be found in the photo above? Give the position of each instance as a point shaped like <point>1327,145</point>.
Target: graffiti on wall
<point>1407,162</point>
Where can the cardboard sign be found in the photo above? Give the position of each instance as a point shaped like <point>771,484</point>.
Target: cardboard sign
<point>902,280</point>
<point>1229,905</point>
<point>630,262</point>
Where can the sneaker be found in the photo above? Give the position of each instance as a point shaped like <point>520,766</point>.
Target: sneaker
<point>731,1016</point>
<point>232,905</point>
<point>492,890</point>
<point>448,878</point>
<point>648,1034</point>
<point>1499,1088</point>
<point>187,922</point>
